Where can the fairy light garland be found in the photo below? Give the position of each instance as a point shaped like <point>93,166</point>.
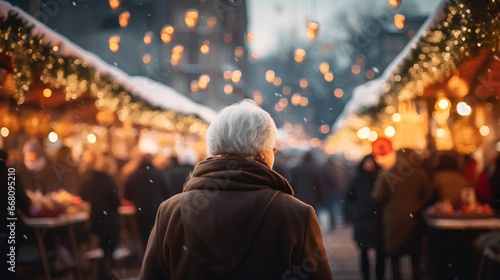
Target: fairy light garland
<point>32,57</point>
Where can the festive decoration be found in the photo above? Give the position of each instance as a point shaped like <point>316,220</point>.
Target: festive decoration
<point>465,136</point>
<point>33,58</point>
<point>312,30</point>
<point>64,127</point>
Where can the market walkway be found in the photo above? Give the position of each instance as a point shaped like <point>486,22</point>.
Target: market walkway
<point>342,253</point>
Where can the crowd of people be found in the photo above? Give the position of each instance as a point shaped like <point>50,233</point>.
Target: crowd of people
<point>275,196</point>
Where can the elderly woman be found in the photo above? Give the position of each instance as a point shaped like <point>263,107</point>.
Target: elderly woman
<point>236,218</point>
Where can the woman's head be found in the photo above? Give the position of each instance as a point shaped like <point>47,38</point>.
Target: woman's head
<point>242,129</point>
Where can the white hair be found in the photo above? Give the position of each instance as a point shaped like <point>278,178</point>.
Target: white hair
<point>242,129</point>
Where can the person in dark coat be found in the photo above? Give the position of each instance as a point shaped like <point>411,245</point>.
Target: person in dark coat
<point>101,191</point>
<point>367,218</point>
<point>448,181</point>
<point>403,191</point>
<point>146,188</point>
<point>237,218</point>
<point>307,179</point>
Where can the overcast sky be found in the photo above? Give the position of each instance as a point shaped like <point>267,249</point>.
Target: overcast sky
<point>267,18</point>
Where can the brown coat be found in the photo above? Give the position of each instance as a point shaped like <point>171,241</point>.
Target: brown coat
<point>403,190</point>
<point>236,219</point>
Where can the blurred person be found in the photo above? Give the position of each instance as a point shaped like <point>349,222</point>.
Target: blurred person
<point>100,190</point>
<point>307,180</point>
<point>495,183</point>
<point>183,165</point>
<point>146,188</point>
<point>403,191</point>
<point>237,218</point>
<point>128,168</point>
<point>280,165</point>
<point>37,170</point>
<point>66,169</point>
<point>448,181</point>
<point>367,216</point>
<point>332,188</point>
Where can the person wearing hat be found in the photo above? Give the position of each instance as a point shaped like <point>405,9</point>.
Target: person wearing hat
<point>37,170</point>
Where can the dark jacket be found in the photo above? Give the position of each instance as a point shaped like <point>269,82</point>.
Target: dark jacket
<point>236,219</point>
<point>367,216</point>
<point>307,180</point>
<point>404,191</point>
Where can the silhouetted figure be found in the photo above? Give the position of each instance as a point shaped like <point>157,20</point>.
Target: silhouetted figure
<point>367,216</point>
<point>448,181</point>
<point>307,180</point>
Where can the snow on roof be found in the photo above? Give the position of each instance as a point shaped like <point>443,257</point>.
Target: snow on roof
<point>369,93</point>
<point>155,93</point>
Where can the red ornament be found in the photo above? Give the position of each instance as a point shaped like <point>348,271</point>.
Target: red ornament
<point>381,147</point>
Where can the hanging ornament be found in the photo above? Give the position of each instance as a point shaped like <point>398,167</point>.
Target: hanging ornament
<point>312,30</point>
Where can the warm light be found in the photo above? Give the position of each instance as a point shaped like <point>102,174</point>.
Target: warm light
<point>254,55</point>
<point>148,37</point>
<point>329,77</point>
<point>250,36</point>
<point>191,18</point>
<point>394,3</point>
<point>228,89</point>
<point>228,37</point>
<point>91,138</point>
<point>303,83</point>
<point>211,22</point>
<point>123,19</point>
<point>355,69</point>
<point>373,136</point>
<point>204,81</point>
<point>312,30</point>
<point>283,102</point>
<point>296,98</point>
<point>443,103</point>
<point>236,76</point>
<point>288,127</point>
<point>177,53</point>
<point>463,109</point>
<point>299,55</point>
<point>227,75</point>
<point>47,92</point>
<point>324,128</point>
<point>4,131</point>
<point>114,43</point>
<point>390,131</point>
<point>458,86</point>
<point>239,51</point>
<point>167,33</point>
<point>270,76</point>
<point>55,48</point>
<point>114,4</point>
<point>315,142</point>
<point>363,133</point>
<point>194,86</point>
<point>257,97</point>
<point>277,81</point>
<point>484,130</point>
<point>338,92</point>
<point>396,117</point>
<point>205,47</point>
<point>370,74</point>
<point>399,21</point>
<point>53,137</point>
<point>146,58</point>
<point>324,67</point>
<point>286,90</point>
<point>278,107</point>
<point>440,133</point>
<point>304,101</point>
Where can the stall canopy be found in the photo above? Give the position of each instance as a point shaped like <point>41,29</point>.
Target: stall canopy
<point>455,52</point>
<point>42,71</point>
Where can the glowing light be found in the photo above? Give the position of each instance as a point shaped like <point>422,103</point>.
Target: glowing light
<point>191,18</point>
<point>47,92</point>
<point>324,129</point>
<point>363,133</point>
<point>303,83</point>
<point>257,97</point>
<point>286,90</point>
<point>194,86</point>
<point>227,75</point>
<point>440,133</point>
<point>355,69</point>
<point>205,47</point>
<point>329,77</point>
<point>228,89</point>
<point>338,92</point>
<point>283,102</point>
<point>296,98</point>
<point>167,33</point>
<point>278,107</point>
<point>390,131</point>
<point>53,137</point>
<point>484,130</point>
<point>239,52</point>
<point>370,74</point>
<point>146,58</point>
<point>148,37</point>
<point>299,55</point>
<point>123,19</point>
<point>250,36</point>
<point>396,117</point>
<point>211,22</point>
<point>312,30</point>
<point>204,81</point>
<point>270,76</point>
<point>399,21</point>
<point>394,3</point>
<point>236,76</point>
<point>324,67</point>
<point>373,136</point>
<point>277,81</point>
<point>114,4</point>
<point>4,132</point>
<point>304,101</point>
<point>114,43</point>
<point>463,109</point>
<point>443,103</point>
<point>91,138</point>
